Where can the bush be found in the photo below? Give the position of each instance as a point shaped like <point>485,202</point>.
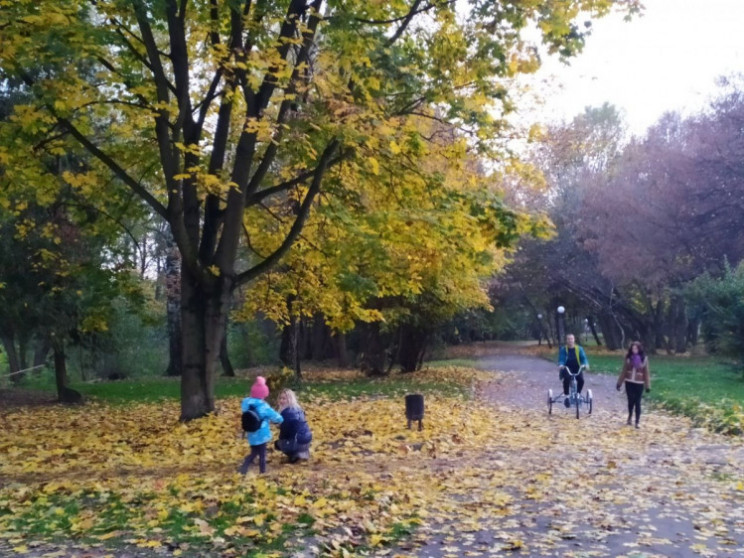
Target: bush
<point>134,345</point>
<point>727,417</point>
<point>280,379</point>
<point>253,343</point>
<point>722,300</point>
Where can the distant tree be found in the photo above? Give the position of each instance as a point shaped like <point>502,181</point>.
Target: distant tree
<point>672,210</point>
<point>572,157</point>
<point>55,284</point>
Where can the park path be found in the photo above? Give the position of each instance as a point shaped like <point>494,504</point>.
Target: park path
<point>525,380</point>
<point>555,486</point>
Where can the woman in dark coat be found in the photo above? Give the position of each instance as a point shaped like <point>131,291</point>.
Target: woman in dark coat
<point>295,435</point>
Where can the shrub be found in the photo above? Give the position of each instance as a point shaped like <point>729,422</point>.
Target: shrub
<point>722,300</point>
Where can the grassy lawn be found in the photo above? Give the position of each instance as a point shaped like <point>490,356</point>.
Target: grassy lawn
<point>705,379</point>
<point>124,474</point>
<point>318,383</point>
<point>707,389</point>
<point>145,389</point>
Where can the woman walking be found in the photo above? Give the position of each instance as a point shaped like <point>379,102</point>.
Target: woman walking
<point>636,375</point>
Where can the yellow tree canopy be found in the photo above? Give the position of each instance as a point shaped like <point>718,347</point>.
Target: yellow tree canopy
<point>206,108</point>
<point>434,224</point>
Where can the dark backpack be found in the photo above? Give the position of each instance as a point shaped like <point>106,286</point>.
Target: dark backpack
<point>250,420</point>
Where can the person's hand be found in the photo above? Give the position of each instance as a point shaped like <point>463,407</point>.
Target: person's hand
<point>648,390</point>
<point>618,387</point>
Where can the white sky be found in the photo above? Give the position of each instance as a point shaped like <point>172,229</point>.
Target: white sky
<point>667,59</point>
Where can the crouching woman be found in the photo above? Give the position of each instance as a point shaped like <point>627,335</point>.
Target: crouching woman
<point>295,435</point>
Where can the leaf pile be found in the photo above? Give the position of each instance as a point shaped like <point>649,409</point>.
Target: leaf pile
<point>135,474</point>
<point>482,478</point>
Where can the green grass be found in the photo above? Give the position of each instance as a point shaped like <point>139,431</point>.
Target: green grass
<point>155,388</point>
<point>393,386</point>
<point>705,379</point>
<point>707,390</point>
<point>145,389</point>
<point>461,362</point>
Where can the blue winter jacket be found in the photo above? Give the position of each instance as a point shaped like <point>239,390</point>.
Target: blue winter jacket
<point>295,425</point>
<point>563,355</point>
<point>266,413</point>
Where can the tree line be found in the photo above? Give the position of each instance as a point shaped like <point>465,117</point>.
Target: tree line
<point>647,229</point>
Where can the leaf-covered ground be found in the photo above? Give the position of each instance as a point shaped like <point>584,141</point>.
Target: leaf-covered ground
<point>493,475</point>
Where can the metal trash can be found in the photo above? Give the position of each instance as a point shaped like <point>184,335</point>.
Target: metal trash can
<point>415,409</point>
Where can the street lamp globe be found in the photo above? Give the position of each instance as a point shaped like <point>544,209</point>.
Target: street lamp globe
<point>561,309</point>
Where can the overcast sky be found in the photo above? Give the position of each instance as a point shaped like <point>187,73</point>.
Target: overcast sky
<point>668,59</point>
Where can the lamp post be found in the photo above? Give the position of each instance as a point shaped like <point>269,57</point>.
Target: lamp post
<point>560,319</point>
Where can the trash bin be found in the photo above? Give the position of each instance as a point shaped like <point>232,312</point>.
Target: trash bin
<point>415,409</point>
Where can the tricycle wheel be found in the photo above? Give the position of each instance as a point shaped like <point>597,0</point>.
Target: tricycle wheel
<point>550,401</point>
<point>589,400</point>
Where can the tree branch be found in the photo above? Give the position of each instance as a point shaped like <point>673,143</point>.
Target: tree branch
<point>115,168</point>
<point>406,22</point>
<point>295,9</point>
<point>258,197</point>
<point>291,89</point>
<point>304,211</point>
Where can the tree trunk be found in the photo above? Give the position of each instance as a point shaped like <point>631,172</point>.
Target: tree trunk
<point>656,331</point>
<point>610,331</point>
<point>304,339</point>
<point>678,324</point>
<point>285,347</point>
<point>203,321</point>
<point>14,364</point>
<point>22,350</point>
<point>295,339</point>
<point>593,328</point>
<point>65,394</point>
<point>693,329</point>
<point>173,306</point>
<point>373,350</point>
<point>318,335</point>
<point>41,351</point>
<point>227,367</point>
<point>412,345</point>
<point>342,354</point>
<point>549,335</point>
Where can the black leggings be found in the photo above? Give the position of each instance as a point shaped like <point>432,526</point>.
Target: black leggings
<point>567,382</point>
<point>635,393</point>
<point>256,451</point>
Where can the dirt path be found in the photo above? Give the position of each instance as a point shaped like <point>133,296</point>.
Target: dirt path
<point>592,487</point>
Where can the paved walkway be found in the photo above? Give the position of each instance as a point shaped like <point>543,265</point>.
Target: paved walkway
<point>592,487</point>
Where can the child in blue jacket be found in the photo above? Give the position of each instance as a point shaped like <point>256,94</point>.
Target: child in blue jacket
<point>262,436</point>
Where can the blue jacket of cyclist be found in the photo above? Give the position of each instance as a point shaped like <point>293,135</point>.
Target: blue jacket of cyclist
<point>572,356</point>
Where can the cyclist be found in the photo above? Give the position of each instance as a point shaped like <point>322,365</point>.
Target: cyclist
<point>572,356</point>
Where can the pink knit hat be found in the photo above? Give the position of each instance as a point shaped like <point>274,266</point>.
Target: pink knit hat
<point>259,389</point>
